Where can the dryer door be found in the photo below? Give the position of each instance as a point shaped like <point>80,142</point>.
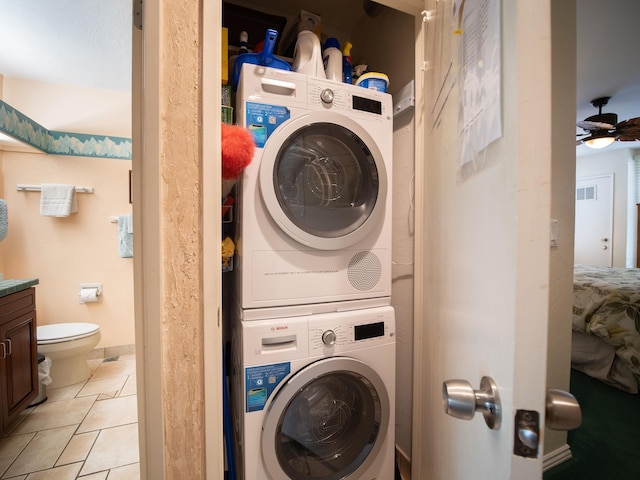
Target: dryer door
<point>327,422</point>
<point>323,180</point>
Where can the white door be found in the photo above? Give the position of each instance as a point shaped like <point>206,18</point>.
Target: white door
<point>594,221</point>
<point>482,251</point>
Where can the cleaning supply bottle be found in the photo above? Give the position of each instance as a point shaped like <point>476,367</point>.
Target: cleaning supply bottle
<point>242,49</point>
<point>346,62</point>
<point>244,43</point>
<point>332,60</point>
<point>307,55</point>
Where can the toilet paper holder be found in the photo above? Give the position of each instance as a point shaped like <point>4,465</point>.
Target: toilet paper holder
<point>90,293</point>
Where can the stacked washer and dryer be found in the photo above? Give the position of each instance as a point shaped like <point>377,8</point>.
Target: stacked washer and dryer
<point>313,332</point>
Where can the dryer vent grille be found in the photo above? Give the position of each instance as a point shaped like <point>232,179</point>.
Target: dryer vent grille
<point>365,270</point>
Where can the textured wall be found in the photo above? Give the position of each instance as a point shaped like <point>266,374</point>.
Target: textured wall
<point>180,221</point>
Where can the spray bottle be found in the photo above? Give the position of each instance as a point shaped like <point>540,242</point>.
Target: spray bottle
<point>332,60</point>
<point>244,39</point>
<point>346,62</point>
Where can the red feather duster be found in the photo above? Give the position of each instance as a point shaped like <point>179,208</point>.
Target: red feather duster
<point>237,152</point>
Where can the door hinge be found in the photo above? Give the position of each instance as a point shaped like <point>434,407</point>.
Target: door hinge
<point>137,14</point>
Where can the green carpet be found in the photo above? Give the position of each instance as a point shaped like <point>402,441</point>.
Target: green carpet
<point>607,444</point>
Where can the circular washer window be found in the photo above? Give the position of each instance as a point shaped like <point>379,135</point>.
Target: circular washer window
<point>328,425</point>
<point>323,180</point>
<point>326,180</point>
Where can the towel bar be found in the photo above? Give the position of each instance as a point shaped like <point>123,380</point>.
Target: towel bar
<point>38,188</point>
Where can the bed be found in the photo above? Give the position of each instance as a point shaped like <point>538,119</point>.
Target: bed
<point>606,325</point>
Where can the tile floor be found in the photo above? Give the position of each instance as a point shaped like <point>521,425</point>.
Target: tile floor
<point>86,431</point>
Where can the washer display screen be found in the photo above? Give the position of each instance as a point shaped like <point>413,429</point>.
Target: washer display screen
<point>367,105</point>
<point>370,330</point>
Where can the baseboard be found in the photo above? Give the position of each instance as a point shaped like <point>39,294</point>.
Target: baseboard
<point>549,461</point>
<point>555,458</point>
<point>404,464</point>
<point>115,351</point>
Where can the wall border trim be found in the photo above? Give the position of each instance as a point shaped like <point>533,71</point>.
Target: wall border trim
<point>17,125</point>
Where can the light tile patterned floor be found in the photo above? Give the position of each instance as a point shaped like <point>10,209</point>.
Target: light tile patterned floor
<point>87,431</point>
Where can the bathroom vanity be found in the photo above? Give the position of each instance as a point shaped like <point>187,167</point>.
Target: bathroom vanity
<point>18,349</point>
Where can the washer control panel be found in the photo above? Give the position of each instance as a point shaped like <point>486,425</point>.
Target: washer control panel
<point>348,99</point>
<point>351,333</point>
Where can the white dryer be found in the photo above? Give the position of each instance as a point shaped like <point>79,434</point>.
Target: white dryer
<point>314,205</point>
<point>313,397</point>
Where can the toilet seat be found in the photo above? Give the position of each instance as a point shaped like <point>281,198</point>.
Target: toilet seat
<point>65,332</point>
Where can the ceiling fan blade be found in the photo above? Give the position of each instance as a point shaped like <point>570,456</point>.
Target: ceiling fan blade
<point>590,125</point>
<point>628,130</point>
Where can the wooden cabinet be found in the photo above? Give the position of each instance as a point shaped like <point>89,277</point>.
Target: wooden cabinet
<point>18,354</point>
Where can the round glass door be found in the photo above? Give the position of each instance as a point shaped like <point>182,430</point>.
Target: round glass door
<point>323,180</point>
<point>327,423</point>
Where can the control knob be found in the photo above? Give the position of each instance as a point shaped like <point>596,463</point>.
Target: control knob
<point>326,96</point>
<point>329,337</point>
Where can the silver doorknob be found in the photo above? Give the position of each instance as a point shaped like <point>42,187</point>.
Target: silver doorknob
<point>562,410</point>
<point>462,401</point>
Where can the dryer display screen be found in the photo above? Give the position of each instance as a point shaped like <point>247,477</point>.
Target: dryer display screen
<point>367,105</point>
<point>370,330</point>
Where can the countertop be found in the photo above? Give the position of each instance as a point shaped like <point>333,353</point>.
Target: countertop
<point>7,287</point>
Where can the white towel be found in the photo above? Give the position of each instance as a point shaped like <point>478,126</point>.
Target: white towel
<point>125,236</point>
<point>58,200</point>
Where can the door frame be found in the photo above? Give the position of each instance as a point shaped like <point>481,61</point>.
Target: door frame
<point>178,307</point>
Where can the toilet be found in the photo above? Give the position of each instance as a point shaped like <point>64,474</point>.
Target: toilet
<point>67,345</point>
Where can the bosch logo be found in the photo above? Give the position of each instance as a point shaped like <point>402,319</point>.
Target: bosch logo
<point>279,327</point>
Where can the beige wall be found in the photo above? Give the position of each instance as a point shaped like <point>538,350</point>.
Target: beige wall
<point>82,248</point>
<point>2,248</point>
<point>381,53</point>
<point>69,108</point>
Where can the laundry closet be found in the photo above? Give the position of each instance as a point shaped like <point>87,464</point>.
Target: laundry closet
<point>383,39</point>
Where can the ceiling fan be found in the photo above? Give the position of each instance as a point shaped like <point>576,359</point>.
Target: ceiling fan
<point>603,129</point>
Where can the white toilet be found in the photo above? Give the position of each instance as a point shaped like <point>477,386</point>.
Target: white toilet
<point>67,345</point>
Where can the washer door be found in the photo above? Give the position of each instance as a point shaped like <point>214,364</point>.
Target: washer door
<point>323,180</point>
<point>327,422</point>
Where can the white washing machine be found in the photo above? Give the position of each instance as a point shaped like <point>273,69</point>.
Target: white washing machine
<point>314,205</point>
<point>313,397</point>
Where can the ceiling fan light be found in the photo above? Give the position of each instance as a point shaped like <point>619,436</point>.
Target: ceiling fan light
<point>600,142</point>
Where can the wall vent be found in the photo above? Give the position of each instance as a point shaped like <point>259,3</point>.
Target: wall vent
<point>586,193</point>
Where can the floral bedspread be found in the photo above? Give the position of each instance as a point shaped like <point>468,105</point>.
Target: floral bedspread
<point>607,304</point>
